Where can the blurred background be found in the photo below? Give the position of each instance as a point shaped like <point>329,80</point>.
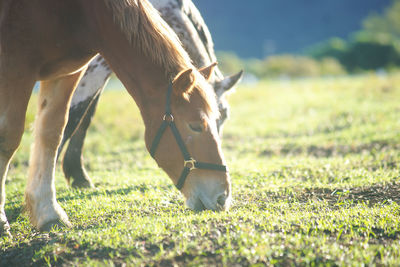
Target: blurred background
<point>302,38</point>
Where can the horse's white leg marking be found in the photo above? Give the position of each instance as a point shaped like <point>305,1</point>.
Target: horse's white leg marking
<point>53,104</point>
<point>95,78</point>
<point>4,226</point>
<point>4,163</point>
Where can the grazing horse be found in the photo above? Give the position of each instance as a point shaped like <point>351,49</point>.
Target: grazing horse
<point>53,41</point>
<point>185,19</point>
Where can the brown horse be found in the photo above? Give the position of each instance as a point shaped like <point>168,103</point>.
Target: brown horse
<point>53,41</point>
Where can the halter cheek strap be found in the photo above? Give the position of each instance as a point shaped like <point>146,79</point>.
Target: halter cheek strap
<point>188,162</point>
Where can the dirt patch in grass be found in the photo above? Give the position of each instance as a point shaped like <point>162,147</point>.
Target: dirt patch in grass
<point>64,252</point>
<point>24,254</point>
<point>333,150</point>
<point>70,251</point>
<point>382,193</point>
<point>372,195</point>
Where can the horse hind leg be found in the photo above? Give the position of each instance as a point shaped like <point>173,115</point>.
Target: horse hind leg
<point>72,164</point>
<point>40,195</point>
<point>14,97</point>
<point>83,107</point>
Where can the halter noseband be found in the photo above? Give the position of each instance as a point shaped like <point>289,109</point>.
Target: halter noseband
<point>188,162</point>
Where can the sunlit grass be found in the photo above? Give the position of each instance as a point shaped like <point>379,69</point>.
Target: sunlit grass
<point>315,175</point>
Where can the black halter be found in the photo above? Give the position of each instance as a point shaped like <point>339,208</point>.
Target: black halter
<point>188,162</point>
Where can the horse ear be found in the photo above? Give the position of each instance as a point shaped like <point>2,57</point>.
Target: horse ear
<point>184,83</point>
<point>207,71</point>
<point>229,82</point>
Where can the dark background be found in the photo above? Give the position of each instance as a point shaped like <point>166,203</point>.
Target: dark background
<point>257,28</point>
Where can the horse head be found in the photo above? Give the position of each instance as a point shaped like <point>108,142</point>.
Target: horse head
<point>187,145</point>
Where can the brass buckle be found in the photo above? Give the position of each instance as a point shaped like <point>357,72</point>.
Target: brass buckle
<point>190,164</point>
<point>168,117</point>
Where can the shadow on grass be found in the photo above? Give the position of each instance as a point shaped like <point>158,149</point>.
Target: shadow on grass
<point>70,252</point>
<point>88,194</point>
<point>13,213</point>
<point>32,253</point>
<point>376,194</point>
<point>326,151</point>
<point>14,209</point>
<point>372,195</point>
<point>24,253</point>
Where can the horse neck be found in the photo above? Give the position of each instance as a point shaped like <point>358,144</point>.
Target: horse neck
<point>145,80</point>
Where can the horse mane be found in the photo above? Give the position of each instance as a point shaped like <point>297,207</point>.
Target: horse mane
<point>145,29</point>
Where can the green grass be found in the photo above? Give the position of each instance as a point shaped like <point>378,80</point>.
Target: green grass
<point>315,172</point>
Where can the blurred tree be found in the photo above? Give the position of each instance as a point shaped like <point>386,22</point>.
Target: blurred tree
<point>387,24</point>
<point>229,62</point>
<point>330,66</point>
<point>376,46</point>
<point>288,65</point>
<point>293,66</point>
<point>333,48</point>
<point>372,51</point>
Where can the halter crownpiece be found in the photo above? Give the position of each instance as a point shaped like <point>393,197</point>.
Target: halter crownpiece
<point>189,163</point>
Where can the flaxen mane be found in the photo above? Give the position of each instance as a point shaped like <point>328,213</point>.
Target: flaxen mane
<point>144,28</point>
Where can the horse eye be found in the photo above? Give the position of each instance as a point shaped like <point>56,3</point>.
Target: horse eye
<point>196,127</point>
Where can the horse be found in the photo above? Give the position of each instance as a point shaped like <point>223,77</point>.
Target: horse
<point>53,42</point>
<point>185,19</point>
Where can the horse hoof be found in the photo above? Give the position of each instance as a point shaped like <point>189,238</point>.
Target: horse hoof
<point>5,231</point>
<point>82,183</point>
<point>4,225</point>
<point>79,177</point>
<point>54,224</point>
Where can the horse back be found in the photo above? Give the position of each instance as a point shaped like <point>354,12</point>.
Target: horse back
<point>51,37</point>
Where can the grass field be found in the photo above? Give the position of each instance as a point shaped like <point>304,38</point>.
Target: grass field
<point>315,168</point>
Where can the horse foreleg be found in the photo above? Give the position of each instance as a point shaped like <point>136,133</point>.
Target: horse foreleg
<point>14,97</point>
<point>40,195</point>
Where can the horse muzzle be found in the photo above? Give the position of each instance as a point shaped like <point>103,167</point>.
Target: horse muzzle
<point>209,195</point>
